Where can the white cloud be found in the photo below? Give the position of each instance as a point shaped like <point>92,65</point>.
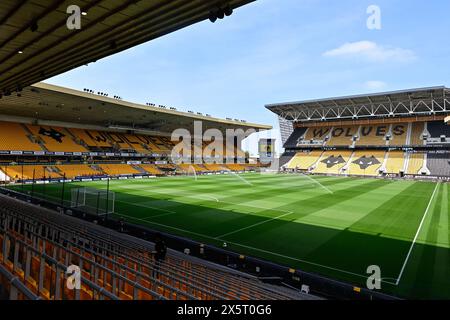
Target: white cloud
<point>372,51</point>
<point>375,85</point>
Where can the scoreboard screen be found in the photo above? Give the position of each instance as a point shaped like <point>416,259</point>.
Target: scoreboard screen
<point>266,148</point>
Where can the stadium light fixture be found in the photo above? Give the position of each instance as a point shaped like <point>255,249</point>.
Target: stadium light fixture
<point>34,26</point>
<point>228,10</point>
<point>220,14</point>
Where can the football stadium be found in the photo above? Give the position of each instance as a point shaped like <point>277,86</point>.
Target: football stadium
<point>102,198</point>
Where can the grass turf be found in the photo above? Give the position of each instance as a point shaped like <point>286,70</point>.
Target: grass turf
<point>334,226</point>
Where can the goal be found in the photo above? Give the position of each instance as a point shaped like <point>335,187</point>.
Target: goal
<point>93,201</point>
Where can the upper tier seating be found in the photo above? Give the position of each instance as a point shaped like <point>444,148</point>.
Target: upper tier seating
<point>372,135</point>
<point>438,129</point>
<point>416,133</point>
<point>304,161</point>
<point>91,138</point>
<point>56,139</point>
<point>416,161</point>
<point>395,162</point>
<point>316,133</point>
<point>439,164</point>
<point>294,138</point>
<point>366,162</point>
<point>13,137</point>
<point>332,161</point>
<point>342,135</point>
<point>38,245</point>
<point>399,133</point>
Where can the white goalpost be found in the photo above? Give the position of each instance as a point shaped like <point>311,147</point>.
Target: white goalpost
<point>93,201</point>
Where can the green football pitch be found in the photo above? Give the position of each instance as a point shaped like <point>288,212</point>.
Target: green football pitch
<point>332,226</point>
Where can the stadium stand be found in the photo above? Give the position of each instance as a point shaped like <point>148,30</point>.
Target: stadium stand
<point>332,162</point>
<point>417,129</point>
<point>398,134</point>
<point>13,137</point>
<point>304,161</point>
<point>54,139</point>
<point>294,138</point>
<point>73,170</point>
<point>342,136</point>
<point>38,245</point>
<point>395,162</point>
<point>151,169</point>
<point>415,163</point>
<point>366,162</point>
<point>438,129</point>
<point>118,169</point>
<point>372,135</point>
<point>439,164</point>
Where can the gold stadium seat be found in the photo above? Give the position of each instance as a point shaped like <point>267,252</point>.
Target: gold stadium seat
<point>118,169</point>
<point>13,137</point>
<point>372,135</point>
<point>332,161</point>
<point>416,161</point>
<point>56,139</point>
<point>416,133</point>
<point>395,162</point>
<point>77,170</point>
<point>342,135</point>
<point>366,162</point>
<point>399,133</point>
<point>304,161</point>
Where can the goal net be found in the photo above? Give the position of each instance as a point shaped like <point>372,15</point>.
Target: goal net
<point>93,201</point>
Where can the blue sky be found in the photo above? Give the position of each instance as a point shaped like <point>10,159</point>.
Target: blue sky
<point>277,51</point>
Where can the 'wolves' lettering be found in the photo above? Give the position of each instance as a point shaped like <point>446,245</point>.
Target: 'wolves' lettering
<point>381,131</point>
<point>320,132</point>
<point>365,131</point>
<point>399,130</point>
<point>339,131</point>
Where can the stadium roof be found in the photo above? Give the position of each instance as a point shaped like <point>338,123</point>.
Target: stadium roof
<point>36,44</point>
<point>53,103</point>
<point>412,102</point>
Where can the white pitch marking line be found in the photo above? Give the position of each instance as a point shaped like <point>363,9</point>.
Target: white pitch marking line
<point>252,248</point>
<point>253,225</point>
<point>417,234</point>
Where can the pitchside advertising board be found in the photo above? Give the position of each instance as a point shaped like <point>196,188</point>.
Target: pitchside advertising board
<point>266,150</point>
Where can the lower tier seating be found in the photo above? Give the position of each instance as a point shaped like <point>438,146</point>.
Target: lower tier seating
<point>332,161</point>
<point>366,162</point>
<point>415,164</point>
<point>304,161</point>
<point>439,164</point>
<point>38,246</point>
<point>395,162</point>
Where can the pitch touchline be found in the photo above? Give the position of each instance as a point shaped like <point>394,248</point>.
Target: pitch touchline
<point>249,247</point>
<point>253,225</point>
<point>417,235</point>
